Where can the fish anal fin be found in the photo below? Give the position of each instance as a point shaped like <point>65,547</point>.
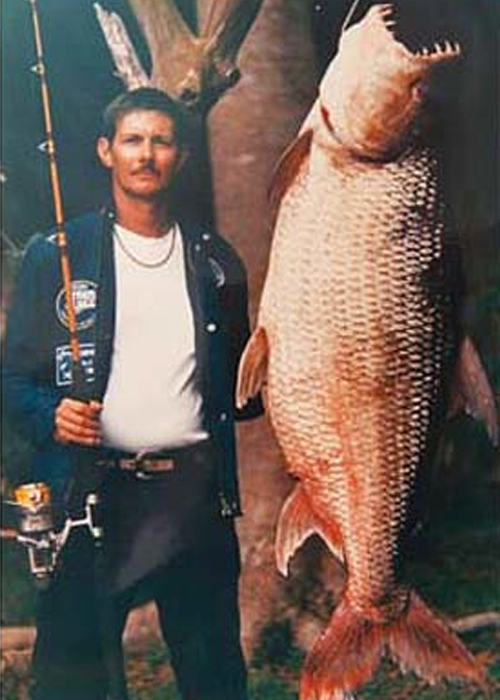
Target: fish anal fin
<point>297,522</point>
<point>289,165</point>
<point>472,390</point>
<point>252,371</point>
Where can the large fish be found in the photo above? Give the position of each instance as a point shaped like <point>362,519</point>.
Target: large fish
<point>356,339</point>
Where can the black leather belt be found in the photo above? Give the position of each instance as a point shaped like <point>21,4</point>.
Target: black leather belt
<point>150,463</point>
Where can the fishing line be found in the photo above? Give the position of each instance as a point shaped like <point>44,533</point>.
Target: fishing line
<point>349,16</point>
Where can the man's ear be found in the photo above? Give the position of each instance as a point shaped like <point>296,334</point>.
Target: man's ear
<point>104,151</point>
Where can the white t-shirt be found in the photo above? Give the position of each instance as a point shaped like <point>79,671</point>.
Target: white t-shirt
<point>151,401</point>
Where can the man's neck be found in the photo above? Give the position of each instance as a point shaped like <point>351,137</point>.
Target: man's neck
<point>148,218</point>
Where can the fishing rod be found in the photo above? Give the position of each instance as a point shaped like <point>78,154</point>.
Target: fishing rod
<point>33,501</point>
<point>49,147</point>
<point>83,480</point>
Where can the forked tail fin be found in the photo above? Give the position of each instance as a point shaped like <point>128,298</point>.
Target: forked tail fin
<point>422,642</point>
<point>349,652</point>
<point>344,658</point>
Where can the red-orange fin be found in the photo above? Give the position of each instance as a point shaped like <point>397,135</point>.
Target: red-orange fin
<point>473,391</point>
<point>289,165</point>
<point>422,642</point>
<point>348,653</point>
<point>252,371</point>
<point>344,658</point>
<point>296,523</point>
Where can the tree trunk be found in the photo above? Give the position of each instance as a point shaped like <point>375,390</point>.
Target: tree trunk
<point>248,130</point>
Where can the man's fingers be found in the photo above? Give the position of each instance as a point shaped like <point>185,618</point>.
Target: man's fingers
<point>66,434</point>
<point>78,413</point>
<point>78,422</point>
<point>90,410</point>
<point>75,428</point>
<point>92,407</point>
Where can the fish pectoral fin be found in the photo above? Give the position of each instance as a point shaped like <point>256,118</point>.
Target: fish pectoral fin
<point>472,390</point>
<point>296,523</point>
<point>252,371</point>
<point>289,165</point>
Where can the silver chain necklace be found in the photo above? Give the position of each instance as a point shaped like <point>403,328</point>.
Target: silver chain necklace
<point>142,263</point>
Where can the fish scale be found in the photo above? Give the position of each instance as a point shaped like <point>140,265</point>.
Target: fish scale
<point>356,339</point>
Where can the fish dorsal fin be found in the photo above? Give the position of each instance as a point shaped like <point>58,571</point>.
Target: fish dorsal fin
<point>252,371</point>
<point>472,390</point>
<point>297,522</point>
<point>289,165</point>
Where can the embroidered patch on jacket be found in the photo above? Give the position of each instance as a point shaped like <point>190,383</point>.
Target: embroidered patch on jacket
<point>64,363</point>
<point>219,274</point>
<point>84,301</point>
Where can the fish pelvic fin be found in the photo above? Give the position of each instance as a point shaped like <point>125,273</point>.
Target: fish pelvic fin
<point>349,651</point>
<point>252,371</point>
<point>422,642</point>
<point>289,165</point>
<point>472,390</point>
<point>296,523</point>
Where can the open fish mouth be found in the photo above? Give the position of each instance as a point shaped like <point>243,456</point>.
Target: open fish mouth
<point>447,50</point>
<point>378,94</point>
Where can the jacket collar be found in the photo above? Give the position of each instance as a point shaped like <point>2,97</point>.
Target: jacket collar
<point>193,231</point>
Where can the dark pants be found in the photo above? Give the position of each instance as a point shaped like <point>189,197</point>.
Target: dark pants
<point>196,593</point>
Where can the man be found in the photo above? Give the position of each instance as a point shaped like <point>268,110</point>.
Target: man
<point>161,309</point>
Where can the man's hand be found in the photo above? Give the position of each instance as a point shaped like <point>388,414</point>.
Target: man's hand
<point>78,422</point>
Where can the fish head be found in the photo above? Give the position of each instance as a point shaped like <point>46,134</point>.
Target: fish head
<point>373,93</point>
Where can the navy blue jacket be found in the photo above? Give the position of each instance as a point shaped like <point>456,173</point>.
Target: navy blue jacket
<point>37,368</point>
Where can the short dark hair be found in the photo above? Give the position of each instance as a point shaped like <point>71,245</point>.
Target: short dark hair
<point>143,98</point>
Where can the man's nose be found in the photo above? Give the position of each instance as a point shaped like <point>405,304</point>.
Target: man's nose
<point>147,150</point>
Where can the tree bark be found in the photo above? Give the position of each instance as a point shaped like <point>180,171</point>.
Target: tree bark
<point>248,130</point>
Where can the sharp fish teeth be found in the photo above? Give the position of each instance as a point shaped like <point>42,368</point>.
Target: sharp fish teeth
<point>447,49</point>
<point>385,12</point>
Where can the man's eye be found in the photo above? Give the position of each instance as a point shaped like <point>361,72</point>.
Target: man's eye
<point>131,139</point>
<point>164,141</point>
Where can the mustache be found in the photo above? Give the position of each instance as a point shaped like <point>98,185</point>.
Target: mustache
<point>146,168</point>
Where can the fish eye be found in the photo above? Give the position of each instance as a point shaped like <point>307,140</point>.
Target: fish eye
<point>418,91</point>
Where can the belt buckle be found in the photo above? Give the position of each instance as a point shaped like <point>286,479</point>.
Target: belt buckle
<point>128,463</point>
<point>164,464</point>
<point>147,467</point>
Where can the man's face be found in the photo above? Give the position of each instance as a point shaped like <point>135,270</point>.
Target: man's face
<point>143,156</point>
